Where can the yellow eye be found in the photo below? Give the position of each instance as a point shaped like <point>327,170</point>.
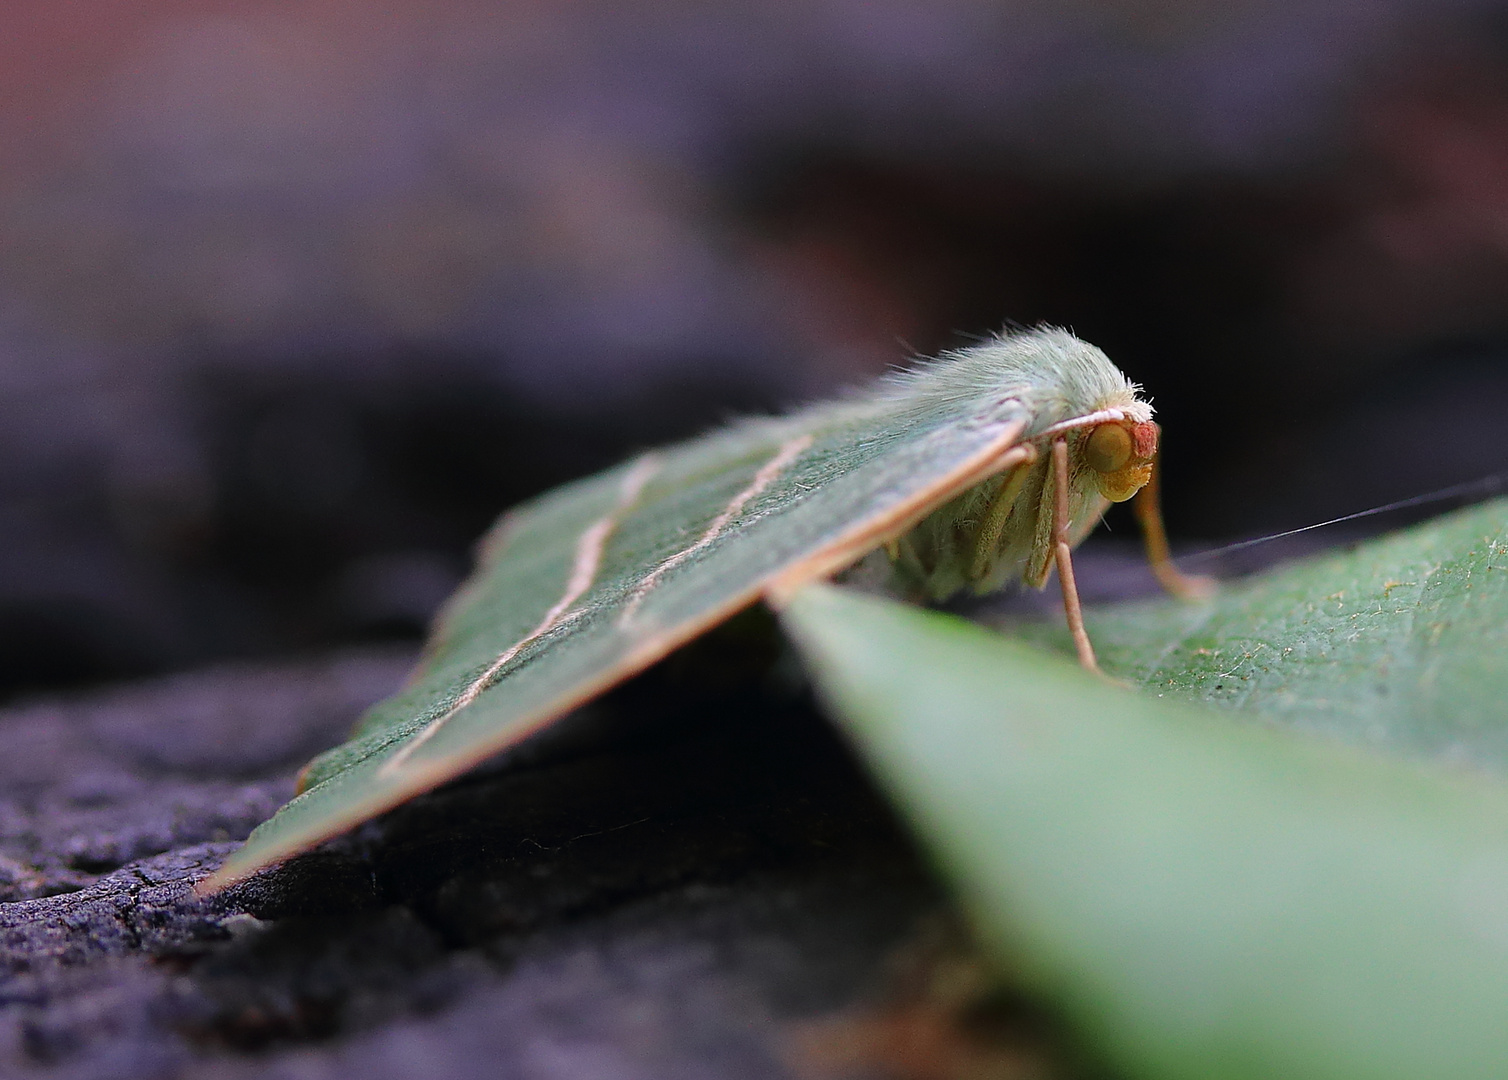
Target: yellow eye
<point>1108,448</point>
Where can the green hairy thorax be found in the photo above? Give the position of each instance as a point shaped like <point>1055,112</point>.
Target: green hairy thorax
<point>1053,374</point>
<point>1056,377</point>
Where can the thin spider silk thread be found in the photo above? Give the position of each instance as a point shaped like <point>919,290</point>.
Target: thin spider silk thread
<point>1484,485</point>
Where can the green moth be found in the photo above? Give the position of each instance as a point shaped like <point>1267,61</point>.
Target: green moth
<point>964,473</point>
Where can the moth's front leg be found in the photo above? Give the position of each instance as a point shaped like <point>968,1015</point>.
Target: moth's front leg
<point>1063,555</point>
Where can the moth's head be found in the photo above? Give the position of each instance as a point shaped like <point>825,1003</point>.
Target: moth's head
<point>1119,455</point>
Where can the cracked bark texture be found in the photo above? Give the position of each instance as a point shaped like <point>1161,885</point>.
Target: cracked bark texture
<point>687,879</point>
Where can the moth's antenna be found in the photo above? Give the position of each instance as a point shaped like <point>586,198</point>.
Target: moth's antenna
<point>1485,485</point>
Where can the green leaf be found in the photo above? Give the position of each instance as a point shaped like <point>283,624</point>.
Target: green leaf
<point>1402,642</point>
<point>1205,898</point>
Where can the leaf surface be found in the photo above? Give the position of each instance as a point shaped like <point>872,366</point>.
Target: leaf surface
<point>1204,897</point>
<point>1400,643</point>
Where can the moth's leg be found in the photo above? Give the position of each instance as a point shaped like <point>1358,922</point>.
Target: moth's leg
<point>1062,555</point>
<point>1148,507</point>
<point>987,539</point>
<point>901,551</point>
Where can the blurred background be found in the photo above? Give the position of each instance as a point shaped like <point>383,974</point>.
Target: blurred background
<point>295,298</point>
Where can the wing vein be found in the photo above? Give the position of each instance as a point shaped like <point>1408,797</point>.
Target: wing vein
<point>588,560</point>
<point>767,474</point>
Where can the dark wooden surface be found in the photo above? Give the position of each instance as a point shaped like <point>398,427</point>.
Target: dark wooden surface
<point>685,880</point>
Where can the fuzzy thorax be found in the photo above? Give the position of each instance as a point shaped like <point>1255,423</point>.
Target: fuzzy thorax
<point>1002,528</point>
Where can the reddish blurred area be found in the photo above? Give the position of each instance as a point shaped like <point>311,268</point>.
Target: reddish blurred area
<point>295,298</point>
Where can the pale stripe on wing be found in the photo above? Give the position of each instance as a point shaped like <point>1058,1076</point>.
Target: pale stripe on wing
<point>589,548</point>
<point>788,452</point>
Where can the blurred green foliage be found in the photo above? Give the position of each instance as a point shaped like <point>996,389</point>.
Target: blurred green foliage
<point>1215,893</point>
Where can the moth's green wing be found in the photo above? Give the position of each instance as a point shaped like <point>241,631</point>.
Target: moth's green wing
<point>1205,897</point>
<point>595,581</point>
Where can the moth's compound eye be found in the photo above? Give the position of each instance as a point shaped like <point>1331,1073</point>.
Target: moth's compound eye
<point>1108,448</point>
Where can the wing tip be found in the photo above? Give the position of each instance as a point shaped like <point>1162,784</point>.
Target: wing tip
<point>233,872</point>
